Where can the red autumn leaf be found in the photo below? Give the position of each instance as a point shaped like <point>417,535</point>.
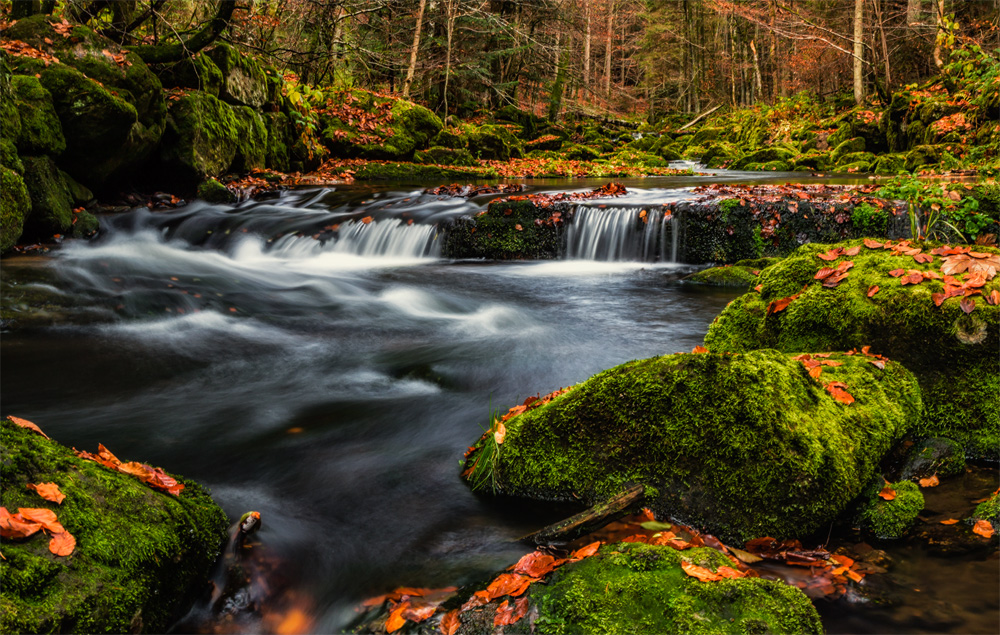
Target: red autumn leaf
<point>877,363</point>
<point>778,306</point>
<point>44,517</point>
<point>930,481</point>
<point>895,273</point>
<point>824,273</point>
<point>500,433</point>
<point>419,613</point>
<point>758,288</point>
<point>854,575</point>
<point>508,613</point>
<point>729,572</point>
<point>14,526</point>
<point>872,290</point>
<point>396,620</point>
<point>911,278</point>
<point>852,251</point>
<point>993,298</point>
<point>872,244</point>
<point>834,281</point>
<point>513,584</point>
<point>839,392</point>
<point>699,349</point>
<point>950,521</point>
<point>24,423</point>
<point>450,623</point>
<point>62,543</point>
<point>842,559</point>
<point>938,298</point>
<point>366,220</point>
<point>536,564</point>
<point>923,258</point>
<point>832,254</point>
<point>830,362</point>
<point>887,493</point>
<point>585,551</point>
<point>968,305</point>
<point>983,528</point>
<point>815,372</point>
<point>48,491</point>
<point>699,573</point>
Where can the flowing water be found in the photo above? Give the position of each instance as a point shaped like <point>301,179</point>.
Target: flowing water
<point>313,358</point>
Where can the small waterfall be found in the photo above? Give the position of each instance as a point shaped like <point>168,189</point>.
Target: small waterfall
<point>389,238</point>
<point>622,233</point>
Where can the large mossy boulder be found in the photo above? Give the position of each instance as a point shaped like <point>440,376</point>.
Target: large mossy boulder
<point>198,72</point>
<point>52,199</point>
<point>110,104</point>
<point>507,230</point>
<point>139,556</point>
<point>41,132</point>
<point>952,352</point>
<point>243,80</point>
<point>251,140</point>
<point>636,588</point>
<point>358,123</point>
<point>744,445</point>
<point>14,206</point>
<point>493,143</point>
<point>201,137</point>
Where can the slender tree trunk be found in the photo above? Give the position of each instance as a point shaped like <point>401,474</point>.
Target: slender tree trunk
<point>939,20</point>
<point>586,45</point>
<point>607,50</point>
<point>775,62</point>
<point>913,11</point>
<point>859,85</point>
<point>411,69</point>
<point>756,71</point>
<point>450,29</point>
<point>877,4</point>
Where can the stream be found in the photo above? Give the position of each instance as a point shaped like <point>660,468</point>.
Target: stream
<point>333,385</point>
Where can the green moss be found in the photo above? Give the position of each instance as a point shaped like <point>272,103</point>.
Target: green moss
<point>212,191</point>
<point>936,455</point>
<point>720,154</point>
<point>10,120</point>
<point>579,152</point>
<point>637,588</point>
<point>14,206</point>
<point>138,551</point>
<point>198,72</point>
<point>727,276</point>
<point>201,137</point>
<point>451,138</point>
<point>743,445</point>
<point>763,156</point>
<point>890,519</point>
<point>850,146</point>
<point>51,199</point>
<point>408,172</point>
<point>280,138</point>
<point>438,155</point>
<point>889,164</point>
<point>952,353</point>
<point>41,132</point>
<point>506,231</point>
<point>251,140</point>
<point>868,220</point>
<point>9,157</point>
<point>243,81</point>
<point>493,142</point>
<point>989,510</point>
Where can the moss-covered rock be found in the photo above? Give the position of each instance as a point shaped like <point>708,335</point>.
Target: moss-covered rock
<point>580,152</point>
<point>201,137</point>
<point>52,200</point>
<point>493,142</point>
<point>251,140</point>
<point>14,206</point>
<point>211,191</point>
<point>439,155</point>
<point>10,119</point>
<point>138,552</point>
<point>935,455</point>
<point>243,80</point>
<point>743,445</point>
<point>763,156</point>
<point>891,519</point>
<point>506,231</point>
<point>989,510</point>
<point>726,276</point>
<point>41,132</point>
<point>720,154</point>
<point>923,155</point>
<point>399,128</point>
<point>280,139</point>
<point>637,588</point>
<point>951,352</point>
<point>889,164</point>
<point>198,72</point>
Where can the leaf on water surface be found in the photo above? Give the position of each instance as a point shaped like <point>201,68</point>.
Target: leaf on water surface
<point>62,543</point>
<point>48,491</point>
<point>745,556</point>
<point>983,528</point>
<point>24,423</point>
<point>367,219</point>
<point>949,521</point>
<point>930,481</point>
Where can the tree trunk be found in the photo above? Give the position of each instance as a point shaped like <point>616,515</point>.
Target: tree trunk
<point>450,30</point>
<point>607,50</point>
<point>586,45</point>
<point>411,69</point>
<point>163,54</point>
<point>913,12</point>
<point>939,20</point>
<point>859,85</point>
<point>756,71</point>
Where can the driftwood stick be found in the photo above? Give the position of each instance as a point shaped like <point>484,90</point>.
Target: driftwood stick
<point>588,520</point>
<point>698,118</point>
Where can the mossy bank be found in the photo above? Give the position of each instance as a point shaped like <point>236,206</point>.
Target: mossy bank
<point>139,553</point>
<point>742,445</point>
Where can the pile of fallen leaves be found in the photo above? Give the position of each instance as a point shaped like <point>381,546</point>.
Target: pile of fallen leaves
<point>151,476</point>
<point>547,200</point>
<point>17,48</point>
<point>469,191</point>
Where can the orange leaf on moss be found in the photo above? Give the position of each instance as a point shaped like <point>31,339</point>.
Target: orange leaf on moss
<point>450,623</point>
<point>983,528</point>
<point>699,573</point>
<point>24,423</point>
<point>62,543</point>
<point>48,491</point>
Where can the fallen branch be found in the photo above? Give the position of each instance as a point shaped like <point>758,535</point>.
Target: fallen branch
<point>588,520</point>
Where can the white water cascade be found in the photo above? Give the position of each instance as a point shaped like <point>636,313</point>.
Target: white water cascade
<point>622,233</point>
<point>388,238</point>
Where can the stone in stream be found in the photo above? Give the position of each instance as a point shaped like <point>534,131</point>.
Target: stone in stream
<point>952,352</point>
<point>890,519</point>
<point>141,555</point>
<point>742,445</point>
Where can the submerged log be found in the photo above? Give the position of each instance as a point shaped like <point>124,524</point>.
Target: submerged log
<point>588,520</point>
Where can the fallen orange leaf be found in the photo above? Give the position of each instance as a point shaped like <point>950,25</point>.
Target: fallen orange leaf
<point>48,491</point>
<point>14,526</point>
<point>699,573</point>
<point>983,528</point>
<point>513,584</point>
<point>396,619</point>
<point>699,349</point>
<point>508,613</point>
<point>24,423</point>
<point>500,433</point>
<point>450,623</point>
<point>872,290</point>
<point>536,564</point>
<point>586,551</point>
<point>950,521</point>
<point>887,493</point>
<point>44,517</point>
<point>931,481</point>
<point>62,543</point>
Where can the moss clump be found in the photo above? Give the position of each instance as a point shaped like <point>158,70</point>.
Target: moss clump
<point>868,220</point>
<point>201,137</point>
<point>198,72</point>
<point>438,155</point>
<point>953,354</point>
<point>728,276</point>
<point>243,80</point>
<point>14,206</point>
<point>41,132</point>
<point>493,142</point>
<point>890,519</point>
<point>251,143</point>
<point>51,198</point>
<point>138,551</point>
<point>211,191</point>
<point>637,588</point>
<point>280,139</point>
<point>744,445</point>
<point>506,231</point>
<point>989,510</point>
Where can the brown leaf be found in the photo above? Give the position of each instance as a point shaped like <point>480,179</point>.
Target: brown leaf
<point>396,619</point>
<point>872,290</point>
<point>778,306</point>
<point>872,244</point>
<point>930,481</point>
<point>895,273</point>
<point>366,220</point>
<point>699,573</point>
<point>14,526</point>
<point>508,613</point>
<point>513,584</point>
<point>938,298</point>
<point>815,371</point>
<point>912,278</point>
<point>500,433</point>
<point>48,491</point>
<point>450,623</point>
<point>536,564</point>
<point>924,258</point>
<point>968,305</point>
<point>62,543</point>
<point>832,254</point>
<point>993,298</point>
<point>852,251</point>
<point>839,392</point>
<point>24,423</point>
<point>44,517</point>
<point>983,528</point>
<point>824,273</point>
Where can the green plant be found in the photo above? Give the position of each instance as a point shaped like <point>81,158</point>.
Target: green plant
<point>305,100</point>
<point>483,470</point>
<point>932,208</point>
<point>868,220</point>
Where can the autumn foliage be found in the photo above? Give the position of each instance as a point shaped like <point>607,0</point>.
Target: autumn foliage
<point>153,477</point>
